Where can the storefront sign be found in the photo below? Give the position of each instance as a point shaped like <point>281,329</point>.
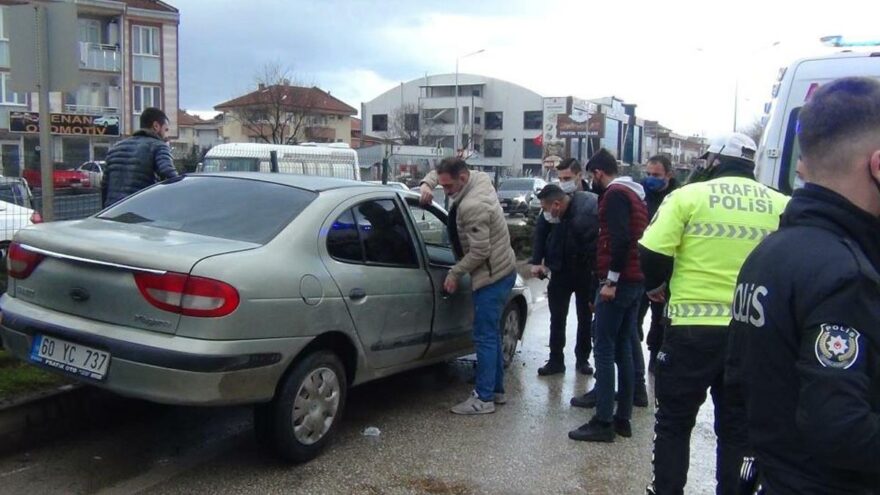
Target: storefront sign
<point>66,124</point>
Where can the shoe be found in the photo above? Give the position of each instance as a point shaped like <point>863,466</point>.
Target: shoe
<point>594,431</point>
<point>551,368</point>
<point>585,369</point>
<point>588,400</point>
<point>640,397</point>
<point>500,398</point>
<point>473,405</point>
<point>623,427</point>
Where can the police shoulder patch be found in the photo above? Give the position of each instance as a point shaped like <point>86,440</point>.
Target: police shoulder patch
<point>837,346</point>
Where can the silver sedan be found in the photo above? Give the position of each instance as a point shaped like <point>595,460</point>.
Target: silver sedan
<point>269,289</point>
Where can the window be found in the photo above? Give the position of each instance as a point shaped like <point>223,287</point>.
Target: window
<point>89,30</point>
<point>227,208</point>
<point>343,242</point>
<point>380,122</point>
<point>384,234</point>
<point>411,122</point>
<point>493,148</point>
<point>4,40</point>
<point>431,227</point>
<point>9,97</point>
<point>494,120</point>
<point>791,153</point>
<point>145,40</point>
<point>532,150</point>
<point>146,97</point>
<point>533,119</point>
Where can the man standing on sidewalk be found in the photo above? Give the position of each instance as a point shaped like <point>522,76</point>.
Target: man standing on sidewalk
<point>658,183</point>
<point>481,241</point>
<point>699,240</point>
<point>622,219</point>
<point>570,255</point>
<point>140,161</point>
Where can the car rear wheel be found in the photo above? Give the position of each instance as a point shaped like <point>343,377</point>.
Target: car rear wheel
<point>302,418</point>
<point>511,330</point>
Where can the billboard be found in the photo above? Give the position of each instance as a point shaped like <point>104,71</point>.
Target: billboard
<point>66,124</point>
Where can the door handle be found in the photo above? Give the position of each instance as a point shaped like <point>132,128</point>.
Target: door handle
<point>357,294</point>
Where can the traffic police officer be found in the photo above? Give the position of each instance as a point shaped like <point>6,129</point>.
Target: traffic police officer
<point>805,336</point>
<point>702,234</point>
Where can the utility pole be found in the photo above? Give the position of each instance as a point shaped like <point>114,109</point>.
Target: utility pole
<point>46,148</point>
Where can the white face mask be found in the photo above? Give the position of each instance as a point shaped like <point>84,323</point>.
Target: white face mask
<point>550,218</point>
<point>568,187</point>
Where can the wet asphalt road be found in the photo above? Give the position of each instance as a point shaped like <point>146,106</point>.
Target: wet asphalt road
<point>422,449</point>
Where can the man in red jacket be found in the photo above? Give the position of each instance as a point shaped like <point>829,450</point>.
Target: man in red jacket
<point>623,217</point>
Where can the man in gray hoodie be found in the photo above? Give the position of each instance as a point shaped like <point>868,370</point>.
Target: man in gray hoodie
<point>481,241</point>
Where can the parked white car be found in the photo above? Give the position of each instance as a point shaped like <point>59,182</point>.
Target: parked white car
<point>16,210</point>
<point>95,171</point>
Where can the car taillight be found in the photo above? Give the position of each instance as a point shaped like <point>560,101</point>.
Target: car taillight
<point>20,262</point>
<point>187,295</point>
<point>36,217</point>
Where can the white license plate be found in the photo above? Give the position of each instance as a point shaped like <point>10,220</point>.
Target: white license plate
<point>75,359</point>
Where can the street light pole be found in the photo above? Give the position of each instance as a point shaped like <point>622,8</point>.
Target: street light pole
<point>457,136</point>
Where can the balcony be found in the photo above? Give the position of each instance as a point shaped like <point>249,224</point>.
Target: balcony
<point>95,56</point>
<point>441,102</point>
<point>320,133</point>
<point>90,110</point>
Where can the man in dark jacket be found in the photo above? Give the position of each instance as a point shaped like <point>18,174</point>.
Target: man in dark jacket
<point>804,349</point>
<point>139,161</point>
<point>569,253</point>
<point>622,219</point>
<point>658,183</point>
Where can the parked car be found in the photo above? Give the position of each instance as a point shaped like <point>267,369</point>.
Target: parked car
<point>16,212</point>
<point>519,196</point>
<point>439,196</point>
<point>62,179</point>
<point>95,172</point>
<point>397,185</point>
<point>245,288</point>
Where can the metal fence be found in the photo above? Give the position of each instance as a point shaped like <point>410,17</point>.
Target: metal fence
<point>72,204</point>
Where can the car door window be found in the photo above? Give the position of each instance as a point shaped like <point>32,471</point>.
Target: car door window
<point>384,233</point>
<point>431,227</point>
<point>343,242</point>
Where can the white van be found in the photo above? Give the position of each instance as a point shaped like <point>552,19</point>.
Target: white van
<point>779,150</point>
<point>326,160</point>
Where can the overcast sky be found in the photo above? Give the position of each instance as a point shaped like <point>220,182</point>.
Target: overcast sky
<point>678,60</point>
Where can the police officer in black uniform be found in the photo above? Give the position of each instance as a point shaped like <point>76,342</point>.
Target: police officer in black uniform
<point>804,353</point>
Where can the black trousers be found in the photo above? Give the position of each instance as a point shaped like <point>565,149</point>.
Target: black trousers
<point>691,361</point>
<point>562,285</point>
<point>655,333</point>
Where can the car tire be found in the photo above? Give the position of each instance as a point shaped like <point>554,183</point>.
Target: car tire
<point>307,409</point>
<point>511,331</point>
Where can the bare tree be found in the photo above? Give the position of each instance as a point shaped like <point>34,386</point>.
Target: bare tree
<point>754,130</point>
<point>407,125</point>
<point>278,110</point>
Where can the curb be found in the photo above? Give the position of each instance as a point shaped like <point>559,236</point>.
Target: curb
<point>30,419</point>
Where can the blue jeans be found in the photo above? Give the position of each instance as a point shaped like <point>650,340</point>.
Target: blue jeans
<point>488,304</point>
<point>616,322</point>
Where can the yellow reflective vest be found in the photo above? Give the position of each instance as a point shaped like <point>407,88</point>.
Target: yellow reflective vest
<point>709,228</point>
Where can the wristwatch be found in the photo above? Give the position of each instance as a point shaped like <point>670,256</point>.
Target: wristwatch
<point>609,283</point>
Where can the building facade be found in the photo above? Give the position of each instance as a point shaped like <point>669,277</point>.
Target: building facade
<point>195,136</point>
<point>128,59</point>
<point>285,114</point>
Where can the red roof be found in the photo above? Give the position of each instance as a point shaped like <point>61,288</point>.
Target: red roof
<point>186,120</point>
<point>150,5</point>
<point>355,124</point>
<point>294,98</point>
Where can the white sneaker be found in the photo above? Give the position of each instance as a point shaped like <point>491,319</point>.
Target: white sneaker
<point>500,399</point>
<point>473,405</point>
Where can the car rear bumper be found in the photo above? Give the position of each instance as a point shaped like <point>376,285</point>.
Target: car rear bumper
<point>159,367</point>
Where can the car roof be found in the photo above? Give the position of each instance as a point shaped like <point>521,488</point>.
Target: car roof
<point>308,182</point>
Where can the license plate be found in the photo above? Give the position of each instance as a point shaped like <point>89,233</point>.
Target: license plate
<point>75,359</point>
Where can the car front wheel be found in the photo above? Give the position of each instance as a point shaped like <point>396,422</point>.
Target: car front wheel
<point>511,326</point>
<point>306,411</point>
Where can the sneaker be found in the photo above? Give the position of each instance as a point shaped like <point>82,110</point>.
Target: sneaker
<point>500,398</point>
<point>585,369</point>
<point>473,405</point>
<point>623,427</point>
<point>594,431</point>
<point>588,400</point>
<point>551,368</point>
<point>640,397</point>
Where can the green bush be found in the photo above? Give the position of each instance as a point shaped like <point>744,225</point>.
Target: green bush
<point>521,238</point>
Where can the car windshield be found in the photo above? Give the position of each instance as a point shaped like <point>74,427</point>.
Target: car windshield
<point>224,207</point>
<point>517,185</point>
<point>230,165</point>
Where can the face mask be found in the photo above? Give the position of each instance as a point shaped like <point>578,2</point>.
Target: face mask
<point>654,184</point>
<point>568,187</point>
<point>550,218</point>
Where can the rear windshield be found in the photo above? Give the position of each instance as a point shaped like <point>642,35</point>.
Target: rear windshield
<point>225,207</point>
<point>517,185</point>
